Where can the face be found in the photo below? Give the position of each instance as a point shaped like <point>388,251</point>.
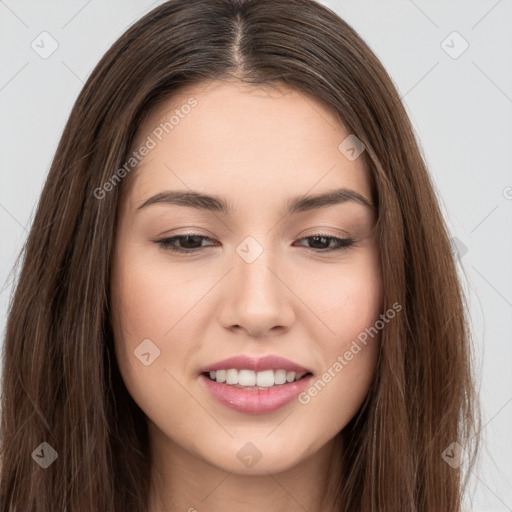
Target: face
<point>286,292</point>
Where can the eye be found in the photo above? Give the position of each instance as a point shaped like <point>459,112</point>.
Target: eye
<point>322,240</point>
<point>191,243</point>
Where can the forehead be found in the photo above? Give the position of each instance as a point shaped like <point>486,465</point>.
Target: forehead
<point>251,143</point>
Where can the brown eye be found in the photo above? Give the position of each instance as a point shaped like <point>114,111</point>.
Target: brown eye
<point>320,243</point>
<point>189,243</point>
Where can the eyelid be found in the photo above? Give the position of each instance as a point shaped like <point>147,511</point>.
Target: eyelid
<point>324,231</point>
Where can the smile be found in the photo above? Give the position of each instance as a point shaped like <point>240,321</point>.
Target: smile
<point>255,384</point>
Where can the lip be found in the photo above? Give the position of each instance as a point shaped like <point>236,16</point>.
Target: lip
<point>255,401</point>
<point>256,364</point>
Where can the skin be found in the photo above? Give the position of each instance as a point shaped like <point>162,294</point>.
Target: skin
<point>258,148</point>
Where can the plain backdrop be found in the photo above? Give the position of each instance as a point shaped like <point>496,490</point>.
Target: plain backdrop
<point>452,64</point>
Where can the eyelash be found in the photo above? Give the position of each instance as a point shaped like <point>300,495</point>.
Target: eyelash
<point>165,243</point>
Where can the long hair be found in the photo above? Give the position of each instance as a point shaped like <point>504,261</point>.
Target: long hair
<point>61,383</point>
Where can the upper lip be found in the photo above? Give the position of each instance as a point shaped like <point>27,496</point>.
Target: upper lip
<point>256,364</point>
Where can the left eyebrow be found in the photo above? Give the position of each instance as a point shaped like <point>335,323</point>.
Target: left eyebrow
<point>218,204</point>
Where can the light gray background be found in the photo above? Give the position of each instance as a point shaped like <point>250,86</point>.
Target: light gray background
<point>460,108</point>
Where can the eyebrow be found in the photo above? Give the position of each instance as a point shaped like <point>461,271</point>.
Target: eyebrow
<point>218,204</point>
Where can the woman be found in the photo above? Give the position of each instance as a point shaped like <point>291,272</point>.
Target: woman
<point>238,291</point>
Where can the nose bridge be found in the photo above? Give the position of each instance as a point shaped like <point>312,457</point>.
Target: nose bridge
<point>253,276</point>
<point>255,298</point>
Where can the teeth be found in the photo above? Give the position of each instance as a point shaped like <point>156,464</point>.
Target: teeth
<point>290,376</point>
<point>251,379</point>
<point>247,378</point>
<point>280,377</point>
<point>264,379</point>
<point>232,377</point>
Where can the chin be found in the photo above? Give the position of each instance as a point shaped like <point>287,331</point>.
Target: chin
<point>246,457</point>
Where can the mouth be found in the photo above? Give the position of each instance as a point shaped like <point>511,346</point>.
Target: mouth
<point>255,385</point>
<point>252,380</point>
<point>255,391</point>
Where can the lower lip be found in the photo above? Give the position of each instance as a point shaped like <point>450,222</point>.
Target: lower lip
<point>255,401</point>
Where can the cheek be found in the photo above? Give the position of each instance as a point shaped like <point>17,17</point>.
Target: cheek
<point>150,316</point>
<point>350,301</point>
<point>149,299</point>
<point>349,354</point>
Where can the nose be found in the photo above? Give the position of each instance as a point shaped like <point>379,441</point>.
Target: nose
<point>256,297</point>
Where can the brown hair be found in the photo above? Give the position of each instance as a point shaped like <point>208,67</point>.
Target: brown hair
<point>61,383</point>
